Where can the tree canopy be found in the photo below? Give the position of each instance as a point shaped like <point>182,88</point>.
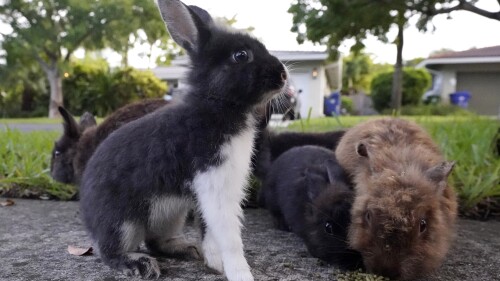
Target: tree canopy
<point>331,22</point>
<point>50,31</point>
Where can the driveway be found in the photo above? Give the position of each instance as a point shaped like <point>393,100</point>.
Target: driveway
<point>35,234</point>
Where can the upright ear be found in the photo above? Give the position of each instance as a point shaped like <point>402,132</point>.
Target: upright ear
<point>70,126</point>
<point>335,171</point>
<point>439,174</point>
<point>188,26</point>
<point>87,120</point>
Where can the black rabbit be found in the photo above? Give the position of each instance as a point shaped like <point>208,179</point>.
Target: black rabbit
<point>308,193</point>
<point>271,145</point>
<point>142,180</point>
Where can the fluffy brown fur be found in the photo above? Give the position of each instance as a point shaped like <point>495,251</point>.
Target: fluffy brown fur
<point>404,212</point>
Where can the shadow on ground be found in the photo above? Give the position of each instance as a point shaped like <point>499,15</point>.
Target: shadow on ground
<point>34,236</point>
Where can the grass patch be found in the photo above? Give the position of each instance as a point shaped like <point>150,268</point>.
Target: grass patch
<point>466,140</point>
<point>24,170</point>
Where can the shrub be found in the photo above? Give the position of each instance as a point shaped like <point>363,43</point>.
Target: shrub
<point>86,88</point>
<point>347,105</point>
<point>415,82</point>
<point>129,84</point>
<point>91,87</point>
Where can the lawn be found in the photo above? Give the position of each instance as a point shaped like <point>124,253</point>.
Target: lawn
<point>466,140</point>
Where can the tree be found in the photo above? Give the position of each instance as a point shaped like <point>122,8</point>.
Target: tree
<point>21,77</point>
<point>431,8</point>
<point>50,31</point>
<point>357,71</point>
<point>331,22</point>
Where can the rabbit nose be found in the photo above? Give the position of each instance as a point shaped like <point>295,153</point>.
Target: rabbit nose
<point>283,75</point>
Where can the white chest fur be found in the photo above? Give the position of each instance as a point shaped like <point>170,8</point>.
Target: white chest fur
<point>219,192</point>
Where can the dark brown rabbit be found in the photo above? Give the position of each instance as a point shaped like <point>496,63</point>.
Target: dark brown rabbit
<point>79,141</point>
<point>404,212</point>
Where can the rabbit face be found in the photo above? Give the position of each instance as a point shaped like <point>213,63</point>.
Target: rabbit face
<point>237,69</point>
<point>65,149</point>
<point>400,226</point>
<point>328,219</point>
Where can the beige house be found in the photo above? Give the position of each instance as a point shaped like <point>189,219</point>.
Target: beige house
<point>308,73</point>
<point>476,71</point>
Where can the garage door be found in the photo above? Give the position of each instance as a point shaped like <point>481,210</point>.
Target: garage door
<point>484,88</point>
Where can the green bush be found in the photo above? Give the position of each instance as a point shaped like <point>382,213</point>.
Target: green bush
<point>347,105</point>
<point>87,88</point>
<point>91,86</point>
<point>129,84</point>
<point>415,82</point>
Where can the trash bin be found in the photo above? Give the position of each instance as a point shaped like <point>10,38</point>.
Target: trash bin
<point>460,99</point>
<point>332,104</point>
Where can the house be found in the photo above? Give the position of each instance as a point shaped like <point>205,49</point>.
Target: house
<point>309,75</point>
<point>476,71</point>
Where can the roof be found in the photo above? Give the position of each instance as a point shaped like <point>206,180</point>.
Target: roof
<point>172,72</point>
<point>493,51</point>
<point>299,55</point>
<point>281,55</point>
<point>481,55</point>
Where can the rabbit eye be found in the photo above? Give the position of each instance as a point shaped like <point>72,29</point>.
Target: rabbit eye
<point>328,228</point>
<point>57,153</point>
<point>423,225</point>
<point>240,56</point>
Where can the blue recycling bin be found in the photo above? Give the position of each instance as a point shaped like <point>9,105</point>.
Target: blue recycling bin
<point>460,99</point>
<point>332,104</point>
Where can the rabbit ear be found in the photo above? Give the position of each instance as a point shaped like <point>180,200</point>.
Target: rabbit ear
<point>70,126</point>
<point>335,172</point>
<point>362,150</point>
<point>188,26</point>
<point>87,120</point>
<point>315,183</point>
<point>439,174</point>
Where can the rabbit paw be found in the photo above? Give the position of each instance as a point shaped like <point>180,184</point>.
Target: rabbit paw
<point>141,265</point>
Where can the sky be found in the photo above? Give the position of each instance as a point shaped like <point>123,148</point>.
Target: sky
<point>272,25</point>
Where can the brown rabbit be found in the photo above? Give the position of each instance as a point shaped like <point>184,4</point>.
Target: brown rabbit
<point>404,212</point>
<point>79,141</point>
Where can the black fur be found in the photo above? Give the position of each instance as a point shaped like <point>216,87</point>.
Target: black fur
<point>308,193</point>
<point>159,154</point>
<point>271,145</point>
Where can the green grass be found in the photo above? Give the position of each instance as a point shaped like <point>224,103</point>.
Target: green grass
<point>466,140</point>
<point>24,169</point>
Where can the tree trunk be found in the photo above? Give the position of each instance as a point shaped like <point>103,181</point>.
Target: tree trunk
<point>397,80</point>
<point>56,94</point>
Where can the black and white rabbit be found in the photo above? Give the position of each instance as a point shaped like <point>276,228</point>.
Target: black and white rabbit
<point>308,193</point>
<point>144,178</point>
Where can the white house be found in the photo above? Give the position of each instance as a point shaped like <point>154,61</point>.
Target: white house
<point>476,71</point>
<point>308,72</point>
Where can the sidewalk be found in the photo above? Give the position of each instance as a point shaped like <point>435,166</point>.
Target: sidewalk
<point>35,234</point>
